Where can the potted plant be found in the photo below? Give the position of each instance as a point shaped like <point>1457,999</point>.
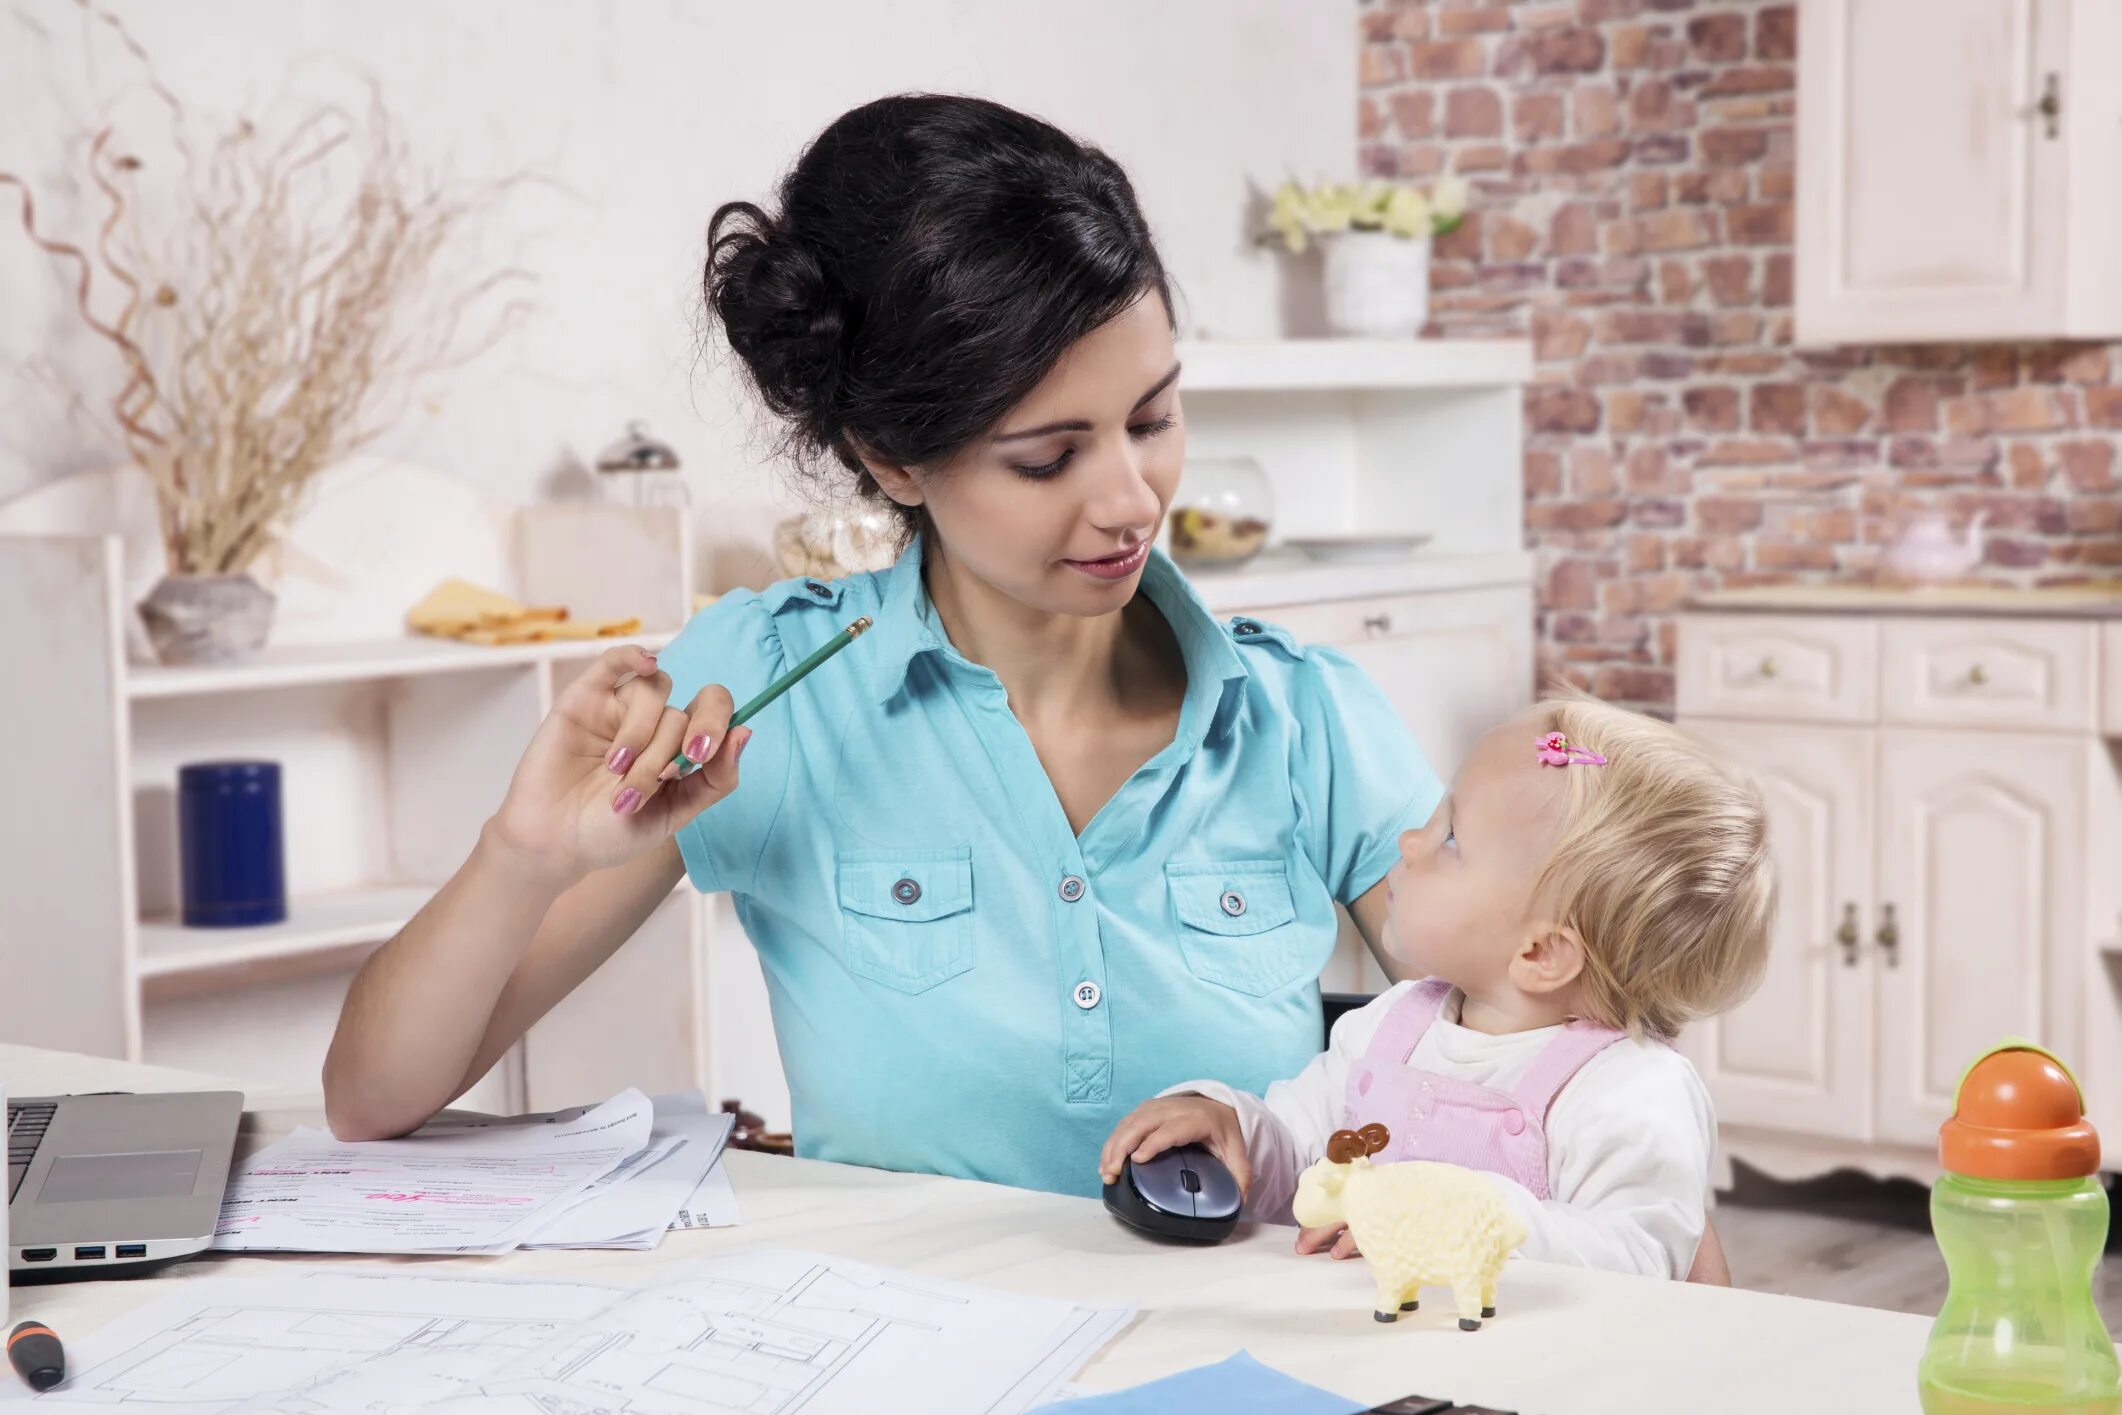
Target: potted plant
<point>1375,237</point>
<point>271,291</point>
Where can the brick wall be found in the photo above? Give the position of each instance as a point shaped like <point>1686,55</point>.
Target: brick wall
<point>1631,163</point>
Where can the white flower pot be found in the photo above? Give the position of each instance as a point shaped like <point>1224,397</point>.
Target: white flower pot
<point>1377,285</point>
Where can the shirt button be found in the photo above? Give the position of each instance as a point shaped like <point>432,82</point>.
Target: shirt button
<point>1246,626</point>
<point>817,589</point>
<point>1513,1122</point>
<point>1071,891</point>
<point>1233,903</point>
<point>907,891</point>
<point>1087,994</point>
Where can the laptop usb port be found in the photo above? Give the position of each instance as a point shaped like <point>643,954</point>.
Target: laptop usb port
<point>39,1255</point>
<point>88,1250</point>
<point>132,1250</point>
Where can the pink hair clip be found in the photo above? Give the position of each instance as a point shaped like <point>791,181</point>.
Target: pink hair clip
<point>1555,750</point>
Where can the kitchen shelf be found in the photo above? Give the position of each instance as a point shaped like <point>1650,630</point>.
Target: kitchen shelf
<point>315,923</point>
<point>1267,365</point>
<point>308,664</point>
<point>1278,577</point>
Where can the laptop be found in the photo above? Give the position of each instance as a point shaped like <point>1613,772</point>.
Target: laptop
<point>114,1185</point>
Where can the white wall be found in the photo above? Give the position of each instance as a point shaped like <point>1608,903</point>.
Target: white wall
<point>650,114</point>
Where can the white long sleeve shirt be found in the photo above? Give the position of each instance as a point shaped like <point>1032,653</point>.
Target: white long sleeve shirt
<point>1629,1138</point>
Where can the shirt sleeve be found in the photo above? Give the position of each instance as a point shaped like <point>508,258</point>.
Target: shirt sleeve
<point>1362,780</point>
<point>732,642</point>
<point>1285,1130</point>
<point>1630,1141</point>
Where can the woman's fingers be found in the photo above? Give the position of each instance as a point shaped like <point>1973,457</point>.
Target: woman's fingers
<point>689,795</point>
<point>645,773</point>
<point>1228,1144</point>
<point>641,707</point>
<point>1345,1247</point>
<point>604,675</point>
<point>707,724</point>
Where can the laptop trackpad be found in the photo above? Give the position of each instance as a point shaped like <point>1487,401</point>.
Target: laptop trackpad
<point>152,1174</point>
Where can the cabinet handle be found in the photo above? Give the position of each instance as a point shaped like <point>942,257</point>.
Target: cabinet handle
<point>1768,668</point>
<point>1978,675</point>
<point>1378,623</point>
<point>2050,106</point>
<point>1889,937</point>
<point>1847,935</point>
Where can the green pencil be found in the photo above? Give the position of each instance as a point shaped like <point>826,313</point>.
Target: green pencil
<point>785,682</point>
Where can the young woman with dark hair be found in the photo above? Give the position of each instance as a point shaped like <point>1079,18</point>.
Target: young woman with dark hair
<point>1048,838</point>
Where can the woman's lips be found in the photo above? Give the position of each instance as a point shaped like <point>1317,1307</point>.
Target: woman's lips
<point>1114,567</point>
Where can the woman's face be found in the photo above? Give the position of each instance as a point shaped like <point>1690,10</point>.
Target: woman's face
<point>1058,504</point>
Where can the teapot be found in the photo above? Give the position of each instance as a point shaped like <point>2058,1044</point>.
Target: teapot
<point>1927,550</point>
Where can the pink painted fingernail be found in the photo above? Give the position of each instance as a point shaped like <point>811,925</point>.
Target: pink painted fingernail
<point>742,743</point>
<point>620,759</point>
<point>697,748</point>
<point>625,802</point>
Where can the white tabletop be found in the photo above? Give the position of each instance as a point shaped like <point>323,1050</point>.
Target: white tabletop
<point>1566,1341</point>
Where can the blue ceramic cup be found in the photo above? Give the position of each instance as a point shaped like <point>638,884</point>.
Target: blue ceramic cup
<point>228,839</point>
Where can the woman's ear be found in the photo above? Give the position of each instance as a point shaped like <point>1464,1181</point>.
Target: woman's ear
<point>1549,960</point>
<point>901,484</point>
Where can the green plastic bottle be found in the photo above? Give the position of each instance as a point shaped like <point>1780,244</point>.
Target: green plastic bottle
<point>2021,1218</point>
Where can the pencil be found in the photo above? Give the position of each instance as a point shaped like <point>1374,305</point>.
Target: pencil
<point>785,682</point>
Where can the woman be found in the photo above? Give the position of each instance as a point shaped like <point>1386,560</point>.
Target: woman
<point>1045,840</point>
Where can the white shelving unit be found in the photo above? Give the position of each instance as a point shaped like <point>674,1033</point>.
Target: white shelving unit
<point>392,753</point>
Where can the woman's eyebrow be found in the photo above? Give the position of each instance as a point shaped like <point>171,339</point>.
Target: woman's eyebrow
<point>1078,424</point>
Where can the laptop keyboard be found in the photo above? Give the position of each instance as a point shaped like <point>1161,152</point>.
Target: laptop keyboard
<point>26,1123</point>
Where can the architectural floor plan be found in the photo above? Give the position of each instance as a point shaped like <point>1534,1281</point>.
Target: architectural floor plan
<point>762,1333</point>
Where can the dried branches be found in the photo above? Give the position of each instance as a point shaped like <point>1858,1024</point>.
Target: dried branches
<point>292,289</point>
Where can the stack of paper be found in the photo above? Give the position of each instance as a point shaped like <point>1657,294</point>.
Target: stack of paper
<point>617,1175</point>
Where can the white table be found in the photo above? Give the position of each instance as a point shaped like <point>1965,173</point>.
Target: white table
<point>1566,1341</point>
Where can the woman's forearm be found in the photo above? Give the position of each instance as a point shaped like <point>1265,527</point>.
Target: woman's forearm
<point>419,1007</point>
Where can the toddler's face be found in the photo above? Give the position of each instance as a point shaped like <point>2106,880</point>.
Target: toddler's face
<point>1461,896</point>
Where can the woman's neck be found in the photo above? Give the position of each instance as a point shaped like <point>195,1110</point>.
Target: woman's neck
<point>1055,667</point>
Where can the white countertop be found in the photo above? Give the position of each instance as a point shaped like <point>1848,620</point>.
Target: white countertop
<point>1565,1341</point>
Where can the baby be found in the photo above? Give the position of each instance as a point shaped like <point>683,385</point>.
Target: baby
<point>1595,880</point>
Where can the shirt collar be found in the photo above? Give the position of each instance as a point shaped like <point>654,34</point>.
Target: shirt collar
<point>907,628</point>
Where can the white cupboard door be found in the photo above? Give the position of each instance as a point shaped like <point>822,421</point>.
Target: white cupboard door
<point>1931,195</point>
<point>1796,1055</point>
<point>633,1022</point>
<point>1980,933</point>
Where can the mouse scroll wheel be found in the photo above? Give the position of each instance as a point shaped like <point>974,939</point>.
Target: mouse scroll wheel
<point>1190,1181</point>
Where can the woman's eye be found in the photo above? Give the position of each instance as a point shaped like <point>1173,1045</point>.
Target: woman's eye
<point>1049,469</point>
<point>1148,430</point>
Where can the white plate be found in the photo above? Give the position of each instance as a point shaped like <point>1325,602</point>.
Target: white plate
<point>1348,548</point>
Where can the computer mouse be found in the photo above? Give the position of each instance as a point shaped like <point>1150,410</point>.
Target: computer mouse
<point>1184,1193</point>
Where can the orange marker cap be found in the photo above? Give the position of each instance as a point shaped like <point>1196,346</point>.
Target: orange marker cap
<point>2019,1114</point>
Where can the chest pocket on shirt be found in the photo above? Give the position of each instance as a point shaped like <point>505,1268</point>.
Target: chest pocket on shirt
<point>1236,918</point>
<point>906,915</point>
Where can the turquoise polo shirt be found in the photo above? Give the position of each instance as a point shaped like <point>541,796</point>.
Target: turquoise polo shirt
<point>960,983</point>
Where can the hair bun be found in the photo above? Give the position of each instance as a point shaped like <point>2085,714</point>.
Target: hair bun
<point>782,316</point>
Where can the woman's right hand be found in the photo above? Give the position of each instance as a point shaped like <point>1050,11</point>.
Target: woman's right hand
<point>595,787</point>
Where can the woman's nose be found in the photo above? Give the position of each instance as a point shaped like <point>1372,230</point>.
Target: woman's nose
<point>1122,499</point>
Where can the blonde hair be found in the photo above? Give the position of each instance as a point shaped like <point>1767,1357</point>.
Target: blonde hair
<point>1662,869</point>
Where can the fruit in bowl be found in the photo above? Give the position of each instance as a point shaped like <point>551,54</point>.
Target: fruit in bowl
<point>1213,539</point>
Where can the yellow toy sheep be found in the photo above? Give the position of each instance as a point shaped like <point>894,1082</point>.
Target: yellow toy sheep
<point>1417,1223</point>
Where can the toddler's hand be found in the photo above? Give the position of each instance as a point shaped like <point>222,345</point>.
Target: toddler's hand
<point>1312,1240</point>
<point>1159,1125</point>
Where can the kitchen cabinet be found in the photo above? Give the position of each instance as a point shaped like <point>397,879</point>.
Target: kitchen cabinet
<point>1955,170</point>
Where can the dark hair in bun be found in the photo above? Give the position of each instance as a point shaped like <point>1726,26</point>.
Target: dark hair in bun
<point>931,260</point>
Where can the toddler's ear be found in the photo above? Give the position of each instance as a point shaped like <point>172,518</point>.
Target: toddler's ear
<point>1549,960</point>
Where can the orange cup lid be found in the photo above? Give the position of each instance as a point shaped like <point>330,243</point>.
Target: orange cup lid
<point>2018,1114</point>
